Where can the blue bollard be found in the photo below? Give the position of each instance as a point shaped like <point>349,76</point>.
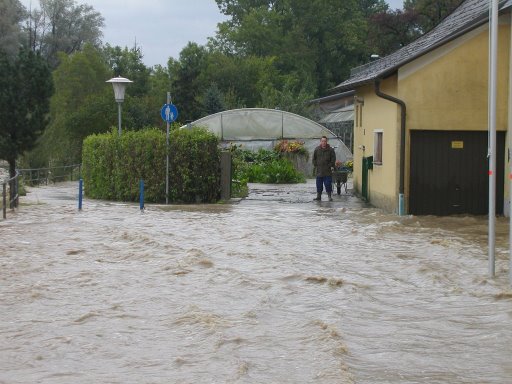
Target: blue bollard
<point>141,187</point>
<point>80,188</point>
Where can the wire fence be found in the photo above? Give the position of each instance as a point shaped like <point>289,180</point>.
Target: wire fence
<point>32,177</point>
<point>38,176</point>
<point>10,194</point>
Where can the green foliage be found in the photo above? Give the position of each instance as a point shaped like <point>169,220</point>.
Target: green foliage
<point>390,30</point>
<point>292,97</point>
<point>274,172</point>
<point>195,166</point>
<point>25,89</point>
<point>185,81</point>
<point>213,100</point>
<point>313,40</point>
<point>429,13</point>
<point>128,63</point>
<point>113,166</point>
<point>263,167</point>
<point>83,104</point>
<point>241,80</point>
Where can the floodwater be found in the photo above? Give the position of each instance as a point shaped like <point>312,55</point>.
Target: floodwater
<point>275,288</point>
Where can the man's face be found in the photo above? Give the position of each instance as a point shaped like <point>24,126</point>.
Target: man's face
<point>323,142</point>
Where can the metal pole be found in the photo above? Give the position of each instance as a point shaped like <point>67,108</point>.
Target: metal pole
<point>80,189</point>
<point>119,117</point>
<point>141,196</point>
<point>493,69</point>
<point>167,151</point>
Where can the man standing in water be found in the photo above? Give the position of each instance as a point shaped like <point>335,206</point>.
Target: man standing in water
<point>324,160</point>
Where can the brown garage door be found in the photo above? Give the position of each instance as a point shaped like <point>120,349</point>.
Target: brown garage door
<point>449,173</point>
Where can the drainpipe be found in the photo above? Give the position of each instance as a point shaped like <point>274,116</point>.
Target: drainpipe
<point>509,133</point>
<point>401,103</point>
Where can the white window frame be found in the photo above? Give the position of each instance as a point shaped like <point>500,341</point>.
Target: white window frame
<point>378,146</point>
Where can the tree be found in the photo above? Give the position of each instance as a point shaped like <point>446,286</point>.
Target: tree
<point>391,29</point>
<point>186,86</point>
<point>25,90</point>
<point>12,13</point>
<point>83,104</point>
<point>316,40</point>
<point>128,63</point>
<point>213,100</point>
<point>430,12</point>
<point>291,98</point>
<point>240,79</point>
<point>63,26</point>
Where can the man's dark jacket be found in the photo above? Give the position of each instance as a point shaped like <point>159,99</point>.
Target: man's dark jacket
<point>324,159</point>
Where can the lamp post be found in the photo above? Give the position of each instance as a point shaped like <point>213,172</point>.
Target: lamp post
<point>119,84</point>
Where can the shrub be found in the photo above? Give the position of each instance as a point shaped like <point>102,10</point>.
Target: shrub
<point>113,165</point>
<point>263,167</point>
<point>195,167</point>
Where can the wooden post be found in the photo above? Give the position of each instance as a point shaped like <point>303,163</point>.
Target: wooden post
<point>225,175</point>
<point>4,200</point>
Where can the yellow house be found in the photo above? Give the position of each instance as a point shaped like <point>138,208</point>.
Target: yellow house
<point>421,118</point>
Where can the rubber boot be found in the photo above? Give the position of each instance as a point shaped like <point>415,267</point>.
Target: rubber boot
<point>329,194</point>
<point>318,196</point>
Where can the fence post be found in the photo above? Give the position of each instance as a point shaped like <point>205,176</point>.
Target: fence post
<point>225,175</point>
<point>80,188</point>
<point>17,191</point>
<point>4,199</point>
<point>141,196</point>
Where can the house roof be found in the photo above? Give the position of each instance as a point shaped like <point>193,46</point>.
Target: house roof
<point>467,16</point>
<point>336,96</point>
<point>338,115</point>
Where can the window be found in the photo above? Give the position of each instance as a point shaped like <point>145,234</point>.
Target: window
<point>377,147</point>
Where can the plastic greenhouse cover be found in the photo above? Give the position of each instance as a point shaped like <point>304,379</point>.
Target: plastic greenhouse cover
<point>256,128</point>
<point>261,124</point>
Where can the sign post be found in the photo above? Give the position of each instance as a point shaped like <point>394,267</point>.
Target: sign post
<point>169,114</point>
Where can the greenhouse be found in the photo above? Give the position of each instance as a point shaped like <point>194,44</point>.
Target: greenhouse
<point>256,128</point>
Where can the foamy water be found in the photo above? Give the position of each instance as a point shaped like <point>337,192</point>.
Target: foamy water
<point>273,289</point>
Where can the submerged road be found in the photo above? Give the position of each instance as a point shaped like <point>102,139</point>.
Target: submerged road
<point>275,288</point>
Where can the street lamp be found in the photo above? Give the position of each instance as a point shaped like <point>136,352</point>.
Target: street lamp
<point>119,84</point>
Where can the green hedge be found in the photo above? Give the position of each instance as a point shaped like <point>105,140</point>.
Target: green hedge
<point>113,166</point>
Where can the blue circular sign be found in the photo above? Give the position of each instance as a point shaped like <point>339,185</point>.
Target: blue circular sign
<point>169,113</point>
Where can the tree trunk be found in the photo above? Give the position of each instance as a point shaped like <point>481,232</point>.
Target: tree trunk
<point>12,167</point>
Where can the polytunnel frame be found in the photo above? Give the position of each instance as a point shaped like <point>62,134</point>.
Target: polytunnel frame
<point>248,124</point>
<point>216,123</point>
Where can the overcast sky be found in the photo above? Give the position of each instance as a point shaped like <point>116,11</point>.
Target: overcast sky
<point>162,28</point>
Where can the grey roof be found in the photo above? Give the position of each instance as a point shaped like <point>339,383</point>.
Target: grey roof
<point>338,115</point>
<point>469,15</point>
<point>336,96</point>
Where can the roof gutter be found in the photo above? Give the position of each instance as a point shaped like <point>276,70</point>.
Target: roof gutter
<point>401,103</point>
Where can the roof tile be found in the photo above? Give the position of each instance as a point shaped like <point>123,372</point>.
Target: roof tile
<point>469,15</point>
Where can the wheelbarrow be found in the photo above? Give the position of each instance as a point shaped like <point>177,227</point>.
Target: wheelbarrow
<point>339,179</point>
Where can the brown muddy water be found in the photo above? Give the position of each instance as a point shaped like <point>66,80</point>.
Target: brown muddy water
<point>273,289</point>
